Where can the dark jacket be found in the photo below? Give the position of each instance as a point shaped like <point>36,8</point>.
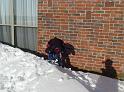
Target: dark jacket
<point>55,44</point>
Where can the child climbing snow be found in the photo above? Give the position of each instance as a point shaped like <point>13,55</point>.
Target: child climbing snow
<point>55,48</point>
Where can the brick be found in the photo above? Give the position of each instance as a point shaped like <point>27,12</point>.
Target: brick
<point>40,1</point>
<point>50,3</point>
<point>119,18</point>
<point>109,4</point>
<point>100,4</point>
<point>88,14</point>
<point>95,30</point>
<point>100,11</point>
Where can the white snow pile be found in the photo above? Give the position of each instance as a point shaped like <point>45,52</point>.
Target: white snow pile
<point>24,72</point>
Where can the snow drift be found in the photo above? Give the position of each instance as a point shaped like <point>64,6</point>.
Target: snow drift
<point>24,72</point>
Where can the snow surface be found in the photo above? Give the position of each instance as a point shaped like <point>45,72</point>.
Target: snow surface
<point>24,72</point>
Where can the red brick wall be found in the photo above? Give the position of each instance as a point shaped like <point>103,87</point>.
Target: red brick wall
<point>95,29</point>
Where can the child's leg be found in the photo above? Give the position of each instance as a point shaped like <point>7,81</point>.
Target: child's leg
<point>50,57</point>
